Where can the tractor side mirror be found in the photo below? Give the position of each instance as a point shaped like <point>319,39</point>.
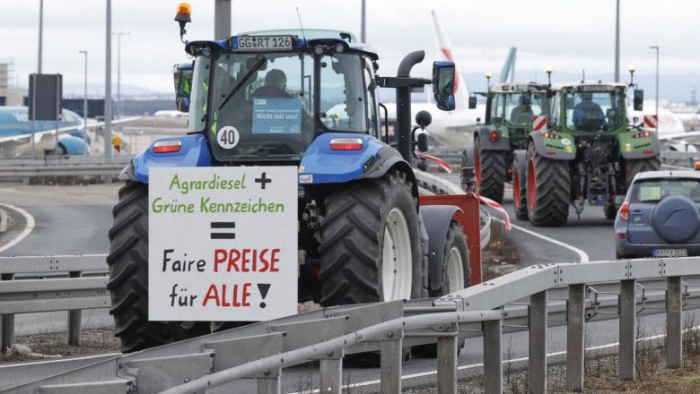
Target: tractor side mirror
<point>444,85</point>
<point>472,102</point>
<point>638,100</point>
<point>182,77</point>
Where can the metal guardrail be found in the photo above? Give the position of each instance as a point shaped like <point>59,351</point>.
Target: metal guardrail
<point>533,299</point>
<point>20,169</point>
<point>30,284</point>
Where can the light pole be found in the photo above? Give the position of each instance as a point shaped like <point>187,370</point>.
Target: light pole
<point>108,82</point>
<point>617,42</point>
<point>119,70</point>
<point>363,24</point>
<point>85,106</point>
<point>41,32</point>
<point>657,86</point>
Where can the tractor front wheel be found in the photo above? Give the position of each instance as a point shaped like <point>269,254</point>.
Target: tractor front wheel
<point>490,172</point>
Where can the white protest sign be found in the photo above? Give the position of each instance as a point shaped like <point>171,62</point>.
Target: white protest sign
<point>222,243</point>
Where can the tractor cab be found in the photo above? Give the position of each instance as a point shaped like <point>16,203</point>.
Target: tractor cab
<point>512,106</point>
<point>267,97</point>
<point>591,107</point>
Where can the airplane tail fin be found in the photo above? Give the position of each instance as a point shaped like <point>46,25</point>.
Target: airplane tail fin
<point>445,49</point>
<point>508,71</point>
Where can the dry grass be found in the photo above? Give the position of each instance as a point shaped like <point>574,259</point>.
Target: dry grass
<point>500,250</point>
<point>55,345</point>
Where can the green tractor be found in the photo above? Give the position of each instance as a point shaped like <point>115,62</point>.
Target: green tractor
<point>588,152</point>
<point>511,111</point>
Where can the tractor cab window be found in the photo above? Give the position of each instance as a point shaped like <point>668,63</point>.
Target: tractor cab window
<point>497,107</point>
<point>519,115</point>
<point>594,111</point>
<point>343,93</point>
<point>198,96</point>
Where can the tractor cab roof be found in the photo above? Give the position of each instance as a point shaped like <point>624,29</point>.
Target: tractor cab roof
<point>589,86</point>
<point>516,87</point>
<point>303,41</point>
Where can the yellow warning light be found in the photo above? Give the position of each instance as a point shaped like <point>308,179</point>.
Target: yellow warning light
<point>184,9</point>
<point>549,69</point>
<point>697,166</point>
<point>632,68</point>
<point>183,13</point>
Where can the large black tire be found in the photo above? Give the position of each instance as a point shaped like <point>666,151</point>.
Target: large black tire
<point>634,167</point>
<point>548,190</point>
<point>490,171</point>
<point>610,210</point>
<point>352,239</point>
<point>520,185</point>
<point>458,241</point>
<point>128,277</point>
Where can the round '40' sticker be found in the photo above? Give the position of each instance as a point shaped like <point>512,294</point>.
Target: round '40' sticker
<point>565,141</point>
<point>227,137</point>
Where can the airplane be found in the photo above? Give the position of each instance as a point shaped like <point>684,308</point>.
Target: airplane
<point>16,134</point>
<point>671,131</point>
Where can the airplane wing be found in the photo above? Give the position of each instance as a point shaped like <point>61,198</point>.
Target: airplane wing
<point>117,121</point>
<point>679,136</point>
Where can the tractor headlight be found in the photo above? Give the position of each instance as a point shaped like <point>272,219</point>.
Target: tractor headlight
<point>318,50</point>
<point>339,47</point>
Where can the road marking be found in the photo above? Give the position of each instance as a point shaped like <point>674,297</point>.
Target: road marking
<point>513,360</point>
<point>583,256</point>
<point>4,219</point>
<point>27,229</point>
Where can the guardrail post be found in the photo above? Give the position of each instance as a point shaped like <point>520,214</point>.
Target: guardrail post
<point>493,357</point>
<point>574,337</point>
<point>391,362</point>
<point>271,385</point>
<point>537,360</point>
<point>628,325</point>
<point>331,371</point>
<point>7,324</point>
<point>74,319</point>
<point>447,362</point>
<point>674,312</point>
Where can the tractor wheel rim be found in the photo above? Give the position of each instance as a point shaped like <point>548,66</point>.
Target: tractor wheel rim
<point>455,270</point>
<point>531,184</point>
<point>516,189</point>
<point>397,261</point>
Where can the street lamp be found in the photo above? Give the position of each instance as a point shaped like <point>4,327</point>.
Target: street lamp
<point>488,80</point>
<point>119,69</point>
<point>656,48</point>
<point>85,106</point>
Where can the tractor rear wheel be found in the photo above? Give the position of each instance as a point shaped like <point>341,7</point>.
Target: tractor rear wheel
<point>370,243</point>
<point>455,277</point>
<point>547,190</point>
<point>128,277</point>
<point>610,210</point>
<point>520,184</point>
<point>634,167</point>
<point>490,172</point>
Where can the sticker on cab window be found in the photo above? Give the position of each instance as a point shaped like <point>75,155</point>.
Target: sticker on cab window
<point>228,137</point>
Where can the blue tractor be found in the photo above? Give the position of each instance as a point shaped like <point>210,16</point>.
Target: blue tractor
<point>362,235</point>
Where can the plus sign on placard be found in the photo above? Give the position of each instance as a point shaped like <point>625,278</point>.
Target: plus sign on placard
<point>263,180</point>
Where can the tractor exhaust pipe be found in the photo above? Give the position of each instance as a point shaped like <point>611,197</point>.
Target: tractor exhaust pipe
<point>403,105</point>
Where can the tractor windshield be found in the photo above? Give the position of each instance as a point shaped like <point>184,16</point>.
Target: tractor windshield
<point>267,105</point>
<point>521,115</point>
<point>594,111</point>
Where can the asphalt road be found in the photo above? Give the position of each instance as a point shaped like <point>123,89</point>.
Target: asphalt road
<point>76,220</point>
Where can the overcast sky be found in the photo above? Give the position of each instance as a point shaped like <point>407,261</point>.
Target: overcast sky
<point>566,34</point>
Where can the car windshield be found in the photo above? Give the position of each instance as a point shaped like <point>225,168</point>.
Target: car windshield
<point>594,111</point>
<point>655,190</point>
<point>264,105</point>
<point>520,115</point>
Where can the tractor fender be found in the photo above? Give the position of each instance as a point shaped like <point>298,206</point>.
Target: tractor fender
<point>194,152</point>
<point>502,143</point>
<point>320,164</point>
<point>552,154</point>
<point>72,145</point>
<point>651,151</point>
<point>437,219</point>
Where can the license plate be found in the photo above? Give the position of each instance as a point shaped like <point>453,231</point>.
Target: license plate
<point>670,252</point>
<point>262,43</point>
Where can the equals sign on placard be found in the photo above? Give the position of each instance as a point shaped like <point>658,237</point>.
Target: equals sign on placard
<point>226,230</point>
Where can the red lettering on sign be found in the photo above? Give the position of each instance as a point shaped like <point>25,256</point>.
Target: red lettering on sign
<point>239,297</point>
